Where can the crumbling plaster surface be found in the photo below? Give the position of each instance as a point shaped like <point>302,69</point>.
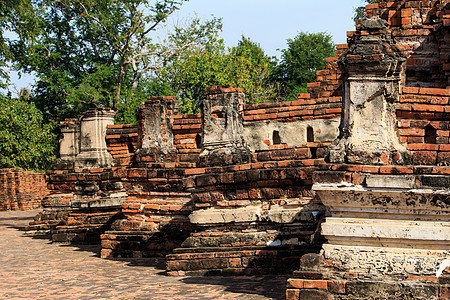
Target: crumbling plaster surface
<point>221,123</point>
<point>156,130</point>
<point>388,227</point>
<point>293,133</point>
<point>424,204</point>
<point>69,145</point>
<point>373,122</point>
<point>249,214</point>
<point>380,261</point>
<point>387,233</point>
<point>93,149</point>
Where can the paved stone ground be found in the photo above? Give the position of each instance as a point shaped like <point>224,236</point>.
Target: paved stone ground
<point>32,268</point>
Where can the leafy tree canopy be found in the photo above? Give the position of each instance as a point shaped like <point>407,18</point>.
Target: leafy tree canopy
<point>305,55</point>
<point>15,16</point>
<point>25,141</point>
<point>91,52</point>
<point>252,69</point>
<point>209,62</point>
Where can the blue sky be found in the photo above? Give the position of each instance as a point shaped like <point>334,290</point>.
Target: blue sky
<point>269,23</point>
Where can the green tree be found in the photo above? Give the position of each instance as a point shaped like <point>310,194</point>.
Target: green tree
<point>91,52</point>
<point>360,12</point>
<point>126,26</point>
<point>305,55</point>
<point>25,141</point>
<point>205,63</point>
<point>84,53</point>
<point>15,16</point>
<point>251,70</point>
<point>209,62</point>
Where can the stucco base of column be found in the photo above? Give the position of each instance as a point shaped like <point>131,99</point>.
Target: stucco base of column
<point>94,159</point>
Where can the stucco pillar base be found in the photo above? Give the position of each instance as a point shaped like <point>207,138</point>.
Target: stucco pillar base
<point>388,227</point>
<point>380,261</point>
<point>94,159</point>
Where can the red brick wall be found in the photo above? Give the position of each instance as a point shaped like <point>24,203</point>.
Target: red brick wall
<point>21,190</point>
<point>418,28</point>
<point>424,124</point>
<point>121,141</point>
<point>305,108</point>
<point>323,100</point>
<point>187,136</point>
<point>329,81</point>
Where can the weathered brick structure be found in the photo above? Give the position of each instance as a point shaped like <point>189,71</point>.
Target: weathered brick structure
<point>85,197</point>
<point>387,182</point>
<point>21,190</point>
<point>357,204</point>
<point>254,214</point>
<point>155,214</point>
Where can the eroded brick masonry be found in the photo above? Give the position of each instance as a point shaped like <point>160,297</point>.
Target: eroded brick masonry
<point>21,190</point>
<point>347,188</point>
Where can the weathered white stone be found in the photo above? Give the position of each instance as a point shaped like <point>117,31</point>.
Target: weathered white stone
<point>224,216</point>
<point>387,233</point>
<point>444,264</point>
<point>69,143</point>
<point>113,199</point>
<point>93,149</point>
<point>386,261</point>
<point>275,243</point>
<point>387,181</point>
<point>284,215</point>
<point>349,199</point>
<point>291,133</point>
<point>276,214</point>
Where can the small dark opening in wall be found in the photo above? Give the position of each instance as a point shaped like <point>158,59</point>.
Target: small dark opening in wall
<point>130,148</point>
<point>430,134</point>
<point>310,134</point>
<point>276,139</point>
<point>198,141</point>
<point>313,151</point>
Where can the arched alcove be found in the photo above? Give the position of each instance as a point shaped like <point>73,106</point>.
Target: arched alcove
<point>276,139</point>
<point>310,134</point>
<point>198,141</point>
<point>430,134</point>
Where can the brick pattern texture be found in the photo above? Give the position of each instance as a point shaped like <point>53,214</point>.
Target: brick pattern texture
<point>21,190</point>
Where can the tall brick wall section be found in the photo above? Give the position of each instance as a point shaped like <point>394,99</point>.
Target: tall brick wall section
<point>322,101</point>
<point>304,108</point>
<point>187,136</point>
<point>21,190</point>
<point>121,141</point>
<point>424,125</point>
<point>418,27</point>
<point>155,214</point>
<point>420,34</point>
<point>329,81</point>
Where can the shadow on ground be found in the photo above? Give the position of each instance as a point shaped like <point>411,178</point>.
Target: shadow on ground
<point>267,286</point>
<point>272,287</point>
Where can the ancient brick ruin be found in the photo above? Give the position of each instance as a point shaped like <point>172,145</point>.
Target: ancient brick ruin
<point>386,185</point>
<point>347,188</point>
<point>21,190</point>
